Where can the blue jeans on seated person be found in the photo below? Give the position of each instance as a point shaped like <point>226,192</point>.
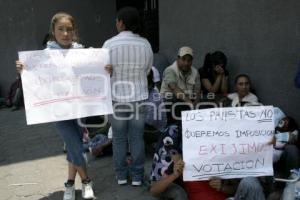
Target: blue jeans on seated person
<point>72,134</point>
<point>128,123</point>
<point>250,189</point>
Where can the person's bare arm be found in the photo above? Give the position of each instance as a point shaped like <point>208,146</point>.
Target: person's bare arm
<point>160,186</point>
<point>224,84</point>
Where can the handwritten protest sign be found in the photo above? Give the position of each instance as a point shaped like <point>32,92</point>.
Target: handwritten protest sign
<point>227,142</point>
<point>65,84</point>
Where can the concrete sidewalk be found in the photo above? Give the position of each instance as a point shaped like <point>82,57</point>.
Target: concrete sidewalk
<point>33,166</point>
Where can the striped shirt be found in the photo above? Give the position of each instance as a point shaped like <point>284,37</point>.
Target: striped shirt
<point>131,57</point>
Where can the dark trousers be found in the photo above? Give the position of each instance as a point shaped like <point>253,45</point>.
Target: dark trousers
<point>288,160</point>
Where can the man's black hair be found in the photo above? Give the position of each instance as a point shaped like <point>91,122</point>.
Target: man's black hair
<point>131,19</point>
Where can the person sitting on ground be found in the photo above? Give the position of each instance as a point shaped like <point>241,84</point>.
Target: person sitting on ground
<point>285,153</point>
<point>285,142</point>
<point>289,155</point>
<point>242,95</point>
<point>285,150</point>
<point>214,76</point>
<point>167,166</point>
<point>286,132</point>
<point>181,83</point>
<point>248,187</point>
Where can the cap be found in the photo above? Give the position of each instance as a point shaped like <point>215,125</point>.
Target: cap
<point>184,51</point>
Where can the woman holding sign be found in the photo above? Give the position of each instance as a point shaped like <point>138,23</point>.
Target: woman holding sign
<point>63,35</point>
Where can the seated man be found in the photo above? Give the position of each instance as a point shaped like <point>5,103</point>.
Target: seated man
<point>181,83</point>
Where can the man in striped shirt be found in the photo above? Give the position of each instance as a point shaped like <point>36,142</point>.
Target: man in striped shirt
<point>131,60</point>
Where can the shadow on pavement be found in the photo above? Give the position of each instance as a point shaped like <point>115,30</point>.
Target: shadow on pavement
<point>54,196</point>
<point>21,142</point>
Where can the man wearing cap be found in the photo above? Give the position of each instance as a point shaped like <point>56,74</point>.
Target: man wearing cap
<point>181,81</point>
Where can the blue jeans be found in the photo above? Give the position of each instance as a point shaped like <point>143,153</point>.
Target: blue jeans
<point>128,123</point>
<point>72,134</point>
<point>250,189</point>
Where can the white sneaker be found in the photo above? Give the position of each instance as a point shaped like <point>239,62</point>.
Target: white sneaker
<point>122,182</point>
<point>87,191</point>
<point>69,193</point>
<point>136,183</point>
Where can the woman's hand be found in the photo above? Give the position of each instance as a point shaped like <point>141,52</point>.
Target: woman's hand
<point>19,66</point>
<point>219,70</point>
<point>108,68</point>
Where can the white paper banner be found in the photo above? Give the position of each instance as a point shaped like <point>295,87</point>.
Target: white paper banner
<point>65,84</point>
<point>227,142</point>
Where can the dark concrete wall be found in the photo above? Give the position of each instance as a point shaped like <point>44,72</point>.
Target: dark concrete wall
<point>260,38</point>
<point>24,23</point>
